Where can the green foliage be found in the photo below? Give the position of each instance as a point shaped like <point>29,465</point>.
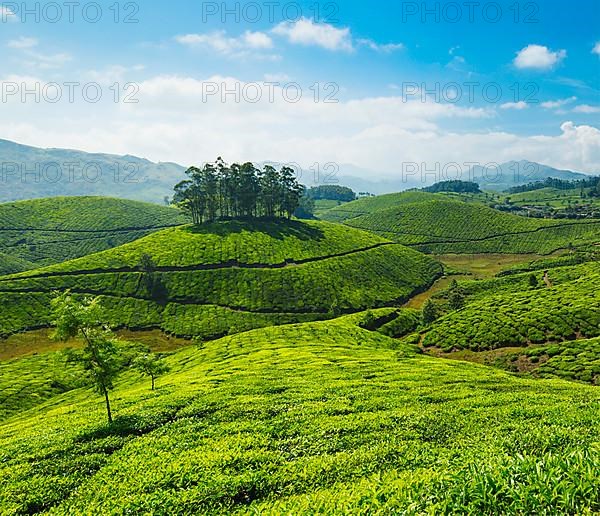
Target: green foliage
<point>454,186</point>
<point>331,192</point>
<point>99,357</point>
<point>46,231</point>
<point>221,191</point>
<point>372,204</point>
<point>533,281</point>
<point>429,312</point>
<point>322,417</point>
<point>500,313</point>
<point>239,275</point>
<point>151,365</point>
<point>447,226</point>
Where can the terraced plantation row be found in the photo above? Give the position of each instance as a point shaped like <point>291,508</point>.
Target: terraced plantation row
<point>320,417</point>
<point>45,231</point>
<point>508,312</point>
<point>444,226</point>
<point>281,273</point>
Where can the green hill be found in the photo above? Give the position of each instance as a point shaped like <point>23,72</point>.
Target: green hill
<point>228,277</point>
<point>367,205</point>
<point>447,226</point>
<point>505,312</point>
<point>46,231</point>
<point>322,417</point>
<point>11,264</point>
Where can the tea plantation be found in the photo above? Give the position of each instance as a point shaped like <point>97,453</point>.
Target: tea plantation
<point>320,417</point>
<point>446,226</point>
<point>507,312</point>
<point>44,231</point>
<point>228,277</point>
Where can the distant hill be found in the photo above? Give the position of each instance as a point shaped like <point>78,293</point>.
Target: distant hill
<point>28,172</point>
<point>228,277</point>
<point>513,173</point>
<point>366,205</point>
<point>449,226</point>
<point>46,231</point>
<point>31,173</point>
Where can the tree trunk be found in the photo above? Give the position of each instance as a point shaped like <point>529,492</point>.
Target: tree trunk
<point>153,383</point>
<point>108,412</point>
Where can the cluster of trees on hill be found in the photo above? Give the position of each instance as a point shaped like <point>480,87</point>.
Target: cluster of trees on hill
<point>453,186</point>
<point>560,184</point>
<point>331,192</point>
<point>219,191</point>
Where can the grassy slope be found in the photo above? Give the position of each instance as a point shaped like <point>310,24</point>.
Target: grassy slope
<point>507,312</point>
<point>367,205</point>
<point>46,231</point>
<point>230,277</point>
<point>446,226</point>
<point>321,417</point>
<point>11,264</point>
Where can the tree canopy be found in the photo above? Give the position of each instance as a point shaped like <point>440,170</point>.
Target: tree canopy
<point>221,191</point>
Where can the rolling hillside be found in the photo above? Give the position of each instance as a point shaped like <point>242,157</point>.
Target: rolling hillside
<point>367,205</point>
<point>320,417</point>
<point>505,312</point>
<point>45,231</point>
<point>447,226</point>
<point>228,277</point>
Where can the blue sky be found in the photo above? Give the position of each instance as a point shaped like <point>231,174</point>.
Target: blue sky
<point>544,58</point>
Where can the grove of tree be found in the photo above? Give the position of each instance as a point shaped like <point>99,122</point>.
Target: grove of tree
<point>221,191</point>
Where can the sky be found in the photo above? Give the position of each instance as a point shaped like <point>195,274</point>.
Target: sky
<point>314,83</point>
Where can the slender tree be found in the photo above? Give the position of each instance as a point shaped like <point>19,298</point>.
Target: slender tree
<point>99,356</point>
<point>151,365</point>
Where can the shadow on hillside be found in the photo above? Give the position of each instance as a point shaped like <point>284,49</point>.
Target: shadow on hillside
<point>122,426</point>
<point>275,228</point>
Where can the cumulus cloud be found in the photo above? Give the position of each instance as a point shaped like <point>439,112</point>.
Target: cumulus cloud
<point>310,33</point>
<point>554,104</point>
<point>596,49</point>
<point>586,109</point>
<point>514,105</point>
<point>378,47</point>
<point>538,57</point>
<point>184,119</point>
<point>218,41</point>
<point>22,43</point>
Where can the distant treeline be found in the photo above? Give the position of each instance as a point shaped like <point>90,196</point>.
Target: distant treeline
<point>331,192</point>
<point>559,184</point>
<point>219,191</point>
<point>453,186</point>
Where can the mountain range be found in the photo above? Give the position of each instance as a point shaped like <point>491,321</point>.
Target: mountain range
<point>28,172</point>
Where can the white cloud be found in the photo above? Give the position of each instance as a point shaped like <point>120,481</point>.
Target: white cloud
<point>514,105</point>
<point>172,122</point>
<point>596,49</point>
<point>277,77</point>
<point>586,109</point>
<point>46,61</point>
<point>7,14</point>
<point>553,104</point>
<point>378,47</point>
<point>32,58</point>
<point>23,43</point>
<point>308,33</point>
<point>538,57</point>
<point>218,41</point>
